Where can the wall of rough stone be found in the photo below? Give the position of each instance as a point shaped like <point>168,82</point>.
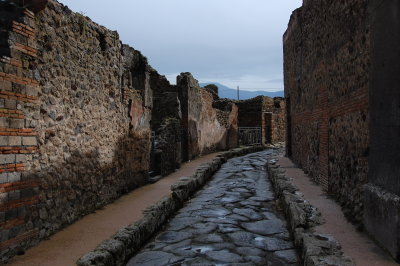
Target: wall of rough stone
<point>277,107</point>
<point>75,116</point>
<point>250,112</point>
<point>254,113</point>
<point>382,193</point>
<point>202,131</point>
<point>326,64</point>
<point>217,128</point>
<point>168,146</point>
<point>165,100</point>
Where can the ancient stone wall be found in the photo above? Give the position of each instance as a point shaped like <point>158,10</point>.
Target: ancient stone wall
<point>165,100</point>
<point>75,131</point>
<point>168,146</point>
<point>382,193</point>
<point>326,64</point>
<point>203,131</point>
<point>267,113</point>
<point>250,112</point>
<point>274,109</point>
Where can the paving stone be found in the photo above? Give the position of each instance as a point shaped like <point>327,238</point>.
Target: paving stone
<point>183,244</point>
<point>266,227</point>
<point>246,203</point>
<point>222,220</point>
<point>218,212</point>
<point>249,213</point>
<point>224,256</point>
<point>232,221</point>
<point>210,238</point>
<point>197,262</point>
<point>181,222</point>
<point>247,251</point>
<point>227,228</point>
<point>242,238</point>
<point>257,260</point>
<point>173,236</point>
<point>229,199</point>
<point>204,228</point>
<point>152,258</point>
<point>223,245</point>
<point>238,217</point>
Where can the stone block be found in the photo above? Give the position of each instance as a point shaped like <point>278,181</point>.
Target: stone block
<point>17,123</point>
<point>4,122</point>
<point>3,178</point>
<point>4,235</point>
<point>15,140</point>
<point>3,197</point>
<point>4,140</point>
<point>20,158</point>
<point>2,217</point>
<point>29,141</point>
<point>382,217</point>
<point>7,158</point>
<point>14,195</point>
<point>11,214</point>
<point>5,85</point>
<point>10,104</point>
<point>32,90</point>
<point>13,177</point>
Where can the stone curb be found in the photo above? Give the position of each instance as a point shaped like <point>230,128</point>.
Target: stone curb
<point>316,249</point>
<point>118,249</point>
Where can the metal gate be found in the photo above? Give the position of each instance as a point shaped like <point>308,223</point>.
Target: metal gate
<point>249,135</point>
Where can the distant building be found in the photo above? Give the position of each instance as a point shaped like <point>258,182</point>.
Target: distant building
<point>268,114</point>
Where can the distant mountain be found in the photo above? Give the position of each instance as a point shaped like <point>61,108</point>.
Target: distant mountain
<point>226,92</point>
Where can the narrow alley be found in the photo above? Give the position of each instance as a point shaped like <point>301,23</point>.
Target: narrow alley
<point>234,219</point>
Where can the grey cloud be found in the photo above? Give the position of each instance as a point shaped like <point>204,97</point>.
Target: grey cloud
<point>211,38</point>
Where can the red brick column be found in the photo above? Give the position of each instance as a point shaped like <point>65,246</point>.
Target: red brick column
<point>18,141</point>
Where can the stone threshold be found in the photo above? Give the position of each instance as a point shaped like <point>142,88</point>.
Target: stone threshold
<point>303,218</point>
<point>118,249</point>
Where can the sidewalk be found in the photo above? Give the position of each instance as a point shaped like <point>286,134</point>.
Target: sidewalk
<point>355,244</point>
<point>68,245</point>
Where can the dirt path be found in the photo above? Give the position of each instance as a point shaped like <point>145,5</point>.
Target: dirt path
<point>68,245</point>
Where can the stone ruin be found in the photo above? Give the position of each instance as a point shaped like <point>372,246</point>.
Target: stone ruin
<point>341,65</point>
<point>85,119</point>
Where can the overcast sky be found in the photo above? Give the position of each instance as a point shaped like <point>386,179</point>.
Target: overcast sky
<point>233,42</point>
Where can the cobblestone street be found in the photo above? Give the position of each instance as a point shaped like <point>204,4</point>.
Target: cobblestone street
<point>233,220</point>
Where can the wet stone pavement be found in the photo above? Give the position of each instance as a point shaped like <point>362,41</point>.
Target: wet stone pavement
<point>233,220</point>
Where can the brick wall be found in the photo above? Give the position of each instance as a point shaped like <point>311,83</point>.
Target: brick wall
<point>19,106</point>
<point>326,63</point>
